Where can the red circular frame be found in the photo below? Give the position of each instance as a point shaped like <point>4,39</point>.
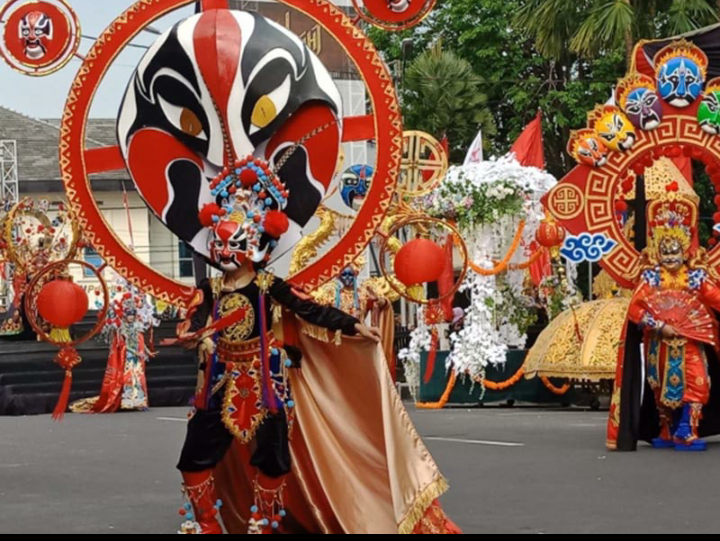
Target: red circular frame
<point>376,13</point>
<point>58,56</point>
<point>387,126</point>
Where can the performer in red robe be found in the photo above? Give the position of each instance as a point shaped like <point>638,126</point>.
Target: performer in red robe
<point>673,306</point>
<point>124,386</point>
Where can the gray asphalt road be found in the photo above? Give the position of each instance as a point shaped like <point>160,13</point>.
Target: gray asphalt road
<point>511,471</point>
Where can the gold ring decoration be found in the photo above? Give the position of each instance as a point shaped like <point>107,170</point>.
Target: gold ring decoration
<point>421,223</point>
<point>24,257</point>
<point>424,164</point>
<point>383,124</point>
<point>58,48</point>
<point>68,357</point>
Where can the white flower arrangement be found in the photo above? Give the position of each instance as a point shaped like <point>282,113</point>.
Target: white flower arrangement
<point>487,201</point>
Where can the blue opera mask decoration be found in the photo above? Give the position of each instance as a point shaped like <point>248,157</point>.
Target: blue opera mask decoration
<point>681,70</point>
<point>355,185</point>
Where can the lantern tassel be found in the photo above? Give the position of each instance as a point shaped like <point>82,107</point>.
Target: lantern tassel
<point>62,404</point>
<point>68,358</point>
<point>60,335</point>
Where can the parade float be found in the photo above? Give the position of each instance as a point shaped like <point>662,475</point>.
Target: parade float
<point>665,110</point>
<point>512,256</point>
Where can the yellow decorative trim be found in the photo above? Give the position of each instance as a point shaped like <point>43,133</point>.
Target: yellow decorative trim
<point>277,310</point>
<point>421,504</point>
<point>320,334</point>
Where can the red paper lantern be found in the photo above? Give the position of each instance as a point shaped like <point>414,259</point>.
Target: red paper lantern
<point>62,303</point>
<point>420,261</point>
<point>550,234</point>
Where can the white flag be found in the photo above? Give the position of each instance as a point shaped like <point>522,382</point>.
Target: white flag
<point>475,154</point>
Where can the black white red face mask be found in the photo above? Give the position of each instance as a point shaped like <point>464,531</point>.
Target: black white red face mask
<point>36,30</point>
<point>219,87</point>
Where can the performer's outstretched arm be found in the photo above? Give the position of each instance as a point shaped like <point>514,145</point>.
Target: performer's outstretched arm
<point>326,317</point>
<point>323,316</point>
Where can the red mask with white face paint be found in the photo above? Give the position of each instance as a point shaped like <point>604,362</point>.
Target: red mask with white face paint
<point>228,246</point>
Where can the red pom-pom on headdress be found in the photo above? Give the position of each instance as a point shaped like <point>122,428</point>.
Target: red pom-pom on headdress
<point>248,178</point>
<point>208,212</point>
<point>276,223</point>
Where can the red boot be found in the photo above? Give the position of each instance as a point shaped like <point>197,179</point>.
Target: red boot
<point>200,490</point>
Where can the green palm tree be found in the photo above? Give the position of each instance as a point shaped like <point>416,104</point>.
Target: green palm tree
<point>442,96</point>
<point>590,27</point>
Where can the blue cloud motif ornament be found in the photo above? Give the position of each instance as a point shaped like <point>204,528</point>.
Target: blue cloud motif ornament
<point>587,247</point>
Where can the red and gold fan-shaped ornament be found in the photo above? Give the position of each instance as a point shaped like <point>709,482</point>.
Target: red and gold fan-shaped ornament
<point>53,304</point>
<point>421,261</point>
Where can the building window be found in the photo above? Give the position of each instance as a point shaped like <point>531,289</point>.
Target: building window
<point>185,257</point>
<point>92,258</point>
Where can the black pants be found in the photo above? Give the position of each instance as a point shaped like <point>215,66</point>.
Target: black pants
<point>208,439</point>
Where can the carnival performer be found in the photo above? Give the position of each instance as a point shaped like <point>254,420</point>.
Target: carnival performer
<point>287,349</point>
<point>124,386</point>
<point>673,307</point>
<point>231,129</point>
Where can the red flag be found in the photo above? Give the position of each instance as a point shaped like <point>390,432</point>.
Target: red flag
<point>445,143</point>
<point>541,268</point>
<point>528,148</point>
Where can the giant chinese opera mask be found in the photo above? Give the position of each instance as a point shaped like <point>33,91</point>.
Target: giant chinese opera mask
<point>680,70</point>
<point>212,94</point>
<point>612,127</point>
<point>36,30</point>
